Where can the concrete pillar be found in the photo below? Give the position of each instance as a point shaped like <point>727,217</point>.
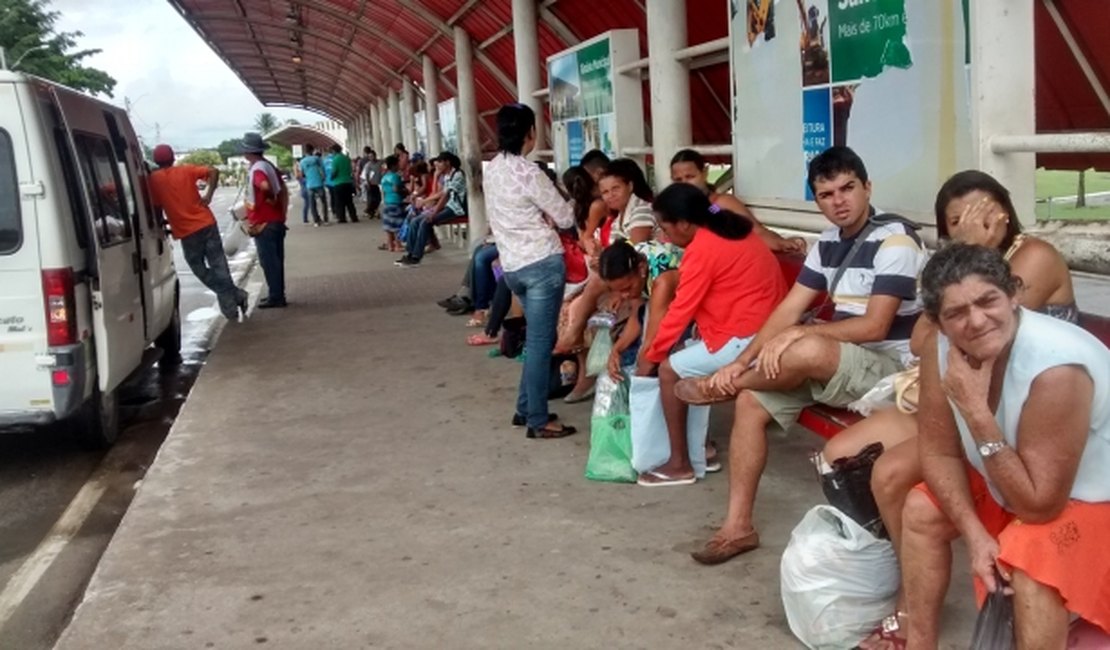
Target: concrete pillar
<point>394,120</point>
<point>431,106</point>
<point>470,146</point>
<point>1002,101</point>
<point>670,84</point>
<point>408,110</point>
<point>379,127</point>
<point>526,42</point>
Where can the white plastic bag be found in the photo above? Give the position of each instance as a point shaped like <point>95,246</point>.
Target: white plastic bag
<point>838,580</point>
<point>651,446</point>
<point>879,397</point>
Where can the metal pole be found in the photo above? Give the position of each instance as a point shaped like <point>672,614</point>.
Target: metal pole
<point>526,42</point>
<point>394,120</point>
<point>408,109</point>
<point>670,84</point>
<point>431,106</point>
<point>470,147</point>
<point>1002,103</point>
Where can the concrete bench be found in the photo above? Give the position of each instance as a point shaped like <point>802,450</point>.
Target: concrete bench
<point>827,421</point>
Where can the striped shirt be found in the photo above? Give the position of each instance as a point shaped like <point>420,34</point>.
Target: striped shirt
<point>637,214</point>
<point>888,264</point>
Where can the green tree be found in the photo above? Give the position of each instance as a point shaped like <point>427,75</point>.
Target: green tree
<point>228,148</point>
<point>282,154</point>
<point>266,122</point>
<point>203,157</point>
<point>27,35</point>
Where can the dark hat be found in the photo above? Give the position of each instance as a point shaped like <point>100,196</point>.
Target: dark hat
<point>252,143</point>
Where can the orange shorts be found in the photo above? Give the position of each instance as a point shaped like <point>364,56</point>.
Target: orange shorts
<point>1070,553</point>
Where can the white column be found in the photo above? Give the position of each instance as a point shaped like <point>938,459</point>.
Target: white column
<point>1002,102</point>
<point>431,106</point>
<point>670,84</point>
<point>379,127</point>
<point>527,45</point>
<point>408,109</point>
<point>470,147</point>
<point>394,121</point>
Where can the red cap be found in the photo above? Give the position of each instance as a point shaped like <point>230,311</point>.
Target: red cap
<point>163,155</point>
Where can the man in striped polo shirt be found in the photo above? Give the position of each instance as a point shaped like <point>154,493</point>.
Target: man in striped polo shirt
<point>868,263</point>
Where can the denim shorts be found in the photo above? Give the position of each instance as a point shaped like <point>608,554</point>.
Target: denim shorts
<point>695,360</point>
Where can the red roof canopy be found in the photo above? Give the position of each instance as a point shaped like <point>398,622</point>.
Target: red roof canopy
<point>351,51</point>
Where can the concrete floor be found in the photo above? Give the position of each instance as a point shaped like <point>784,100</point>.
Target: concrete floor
<point>343,476</point>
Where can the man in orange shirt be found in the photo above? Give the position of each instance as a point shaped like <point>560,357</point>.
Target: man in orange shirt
<point>174,190</point>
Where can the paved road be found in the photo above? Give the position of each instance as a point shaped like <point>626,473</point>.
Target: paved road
<point>41,472</point>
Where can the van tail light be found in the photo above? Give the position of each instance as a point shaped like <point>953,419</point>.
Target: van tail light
<point>61,316</point>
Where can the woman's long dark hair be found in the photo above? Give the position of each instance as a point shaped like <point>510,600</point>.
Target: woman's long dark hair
<point>682,202</point>
<point>690,156</point>
<point>628,171</point>
<point>580,185</point>
<point>963,183</point>
<point>514,122</point>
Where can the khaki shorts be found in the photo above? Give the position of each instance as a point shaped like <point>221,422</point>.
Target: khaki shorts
<point>859,370</point>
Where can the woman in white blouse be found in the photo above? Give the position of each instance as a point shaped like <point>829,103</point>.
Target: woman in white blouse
<point>524,209</point>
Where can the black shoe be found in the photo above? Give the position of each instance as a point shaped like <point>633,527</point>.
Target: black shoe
<point>408,262</point>
<point>266,303</point>
<point>449,302</point>
<point>401,261</point>
<point>461,311</point>
<point>521,420</point>
<point>562,432</point>
<point>459,303</point>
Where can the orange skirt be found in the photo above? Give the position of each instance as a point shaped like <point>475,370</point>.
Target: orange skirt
<point>1070,553</point>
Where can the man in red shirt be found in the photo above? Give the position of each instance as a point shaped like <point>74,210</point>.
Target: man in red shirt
<point>266,200</point>
<point>174,190</point>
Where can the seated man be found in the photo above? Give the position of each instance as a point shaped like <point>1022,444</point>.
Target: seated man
<point>1014,414</point>
<point>868,265</point>
<point>451,204</point>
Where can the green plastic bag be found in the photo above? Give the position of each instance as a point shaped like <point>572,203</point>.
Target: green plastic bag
<point>610,433</point>
<point>597,361</point>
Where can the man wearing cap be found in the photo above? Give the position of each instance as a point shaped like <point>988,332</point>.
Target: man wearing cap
<point>174,190</point>
<point>450,204</point>
<point>266,199</point>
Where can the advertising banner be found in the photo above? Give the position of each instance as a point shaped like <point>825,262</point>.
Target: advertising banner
<point>449,126</point>
<point>885,77</point>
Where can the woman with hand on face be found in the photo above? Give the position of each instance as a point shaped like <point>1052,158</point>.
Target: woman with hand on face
<point>971,208</point>
<point>689,166</point>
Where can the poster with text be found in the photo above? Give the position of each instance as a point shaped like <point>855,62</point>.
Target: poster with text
<point>449,126</point>
<point>884,77</point>
<point>565,88</point>
<point>580,90</point>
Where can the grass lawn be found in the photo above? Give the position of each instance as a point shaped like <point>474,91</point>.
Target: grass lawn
<point>1051,183</point>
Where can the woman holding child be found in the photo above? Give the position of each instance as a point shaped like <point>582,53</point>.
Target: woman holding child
<point>971,208</point>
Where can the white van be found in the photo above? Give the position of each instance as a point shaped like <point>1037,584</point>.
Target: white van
<point>87,281</point>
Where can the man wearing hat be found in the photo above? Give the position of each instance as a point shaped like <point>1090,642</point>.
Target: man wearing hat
<point>174,190</point>
<point>266,200</point>
<point>450,203</point>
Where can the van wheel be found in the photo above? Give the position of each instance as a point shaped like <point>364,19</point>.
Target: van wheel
<point>170,340</point>
<point>97,423</point>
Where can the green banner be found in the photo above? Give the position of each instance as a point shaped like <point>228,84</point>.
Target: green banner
<point>867,36</point>
<point>595,79</point>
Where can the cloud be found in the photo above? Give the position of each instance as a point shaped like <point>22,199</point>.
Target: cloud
<point>178,87</point>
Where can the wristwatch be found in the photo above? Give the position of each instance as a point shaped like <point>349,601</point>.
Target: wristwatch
<point>988,449</point>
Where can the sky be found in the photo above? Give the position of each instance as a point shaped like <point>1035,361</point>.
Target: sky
<point>175,82</point>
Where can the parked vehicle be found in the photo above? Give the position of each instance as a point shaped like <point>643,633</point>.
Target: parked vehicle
<point>87,282</point>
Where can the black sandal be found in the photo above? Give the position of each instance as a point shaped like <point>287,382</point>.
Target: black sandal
<point>563,431</point>
<point>521,420</point>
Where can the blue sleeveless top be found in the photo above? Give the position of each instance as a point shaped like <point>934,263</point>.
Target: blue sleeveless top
<point>1044,342</point>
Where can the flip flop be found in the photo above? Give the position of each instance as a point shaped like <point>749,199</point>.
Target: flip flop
<point>712,466</point>
<point>477,340</point>
<point>662,480</point>
<point>719,551</point>
<point>575,398</point>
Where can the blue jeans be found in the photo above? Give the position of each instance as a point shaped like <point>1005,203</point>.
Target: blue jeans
<point>271,256</point>
<point>421,229</point>
<point>304,203</point>
<point>314,194</point>
<point>482,280</point>
<point>539,286</point>
<point>204,253</point>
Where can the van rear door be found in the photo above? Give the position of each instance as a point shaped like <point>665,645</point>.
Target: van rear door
<point>117,309</point>
<point>23,385</point>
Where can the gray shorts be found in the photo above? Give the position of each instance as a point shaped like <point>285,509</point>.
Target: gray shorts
<point>859,370</point>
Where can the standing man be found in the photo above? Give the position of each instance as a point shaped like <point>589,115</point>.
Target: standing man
<point>267,199</point>
<point>313,169</point>
<point>371,177</point>
<point>868,265</point>
<point>174,190</point>
<point>329,184</point>
<point>343,185</point>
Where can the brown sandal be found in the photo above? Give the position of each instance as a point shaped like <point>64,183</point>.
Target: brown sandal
<point>563,431</point>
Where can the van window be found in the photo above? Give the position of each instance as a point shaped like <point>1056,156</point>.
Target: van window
<point>11,226</point>
<point>111,219</point>
<point>73,187</point>
<point>120,146</point>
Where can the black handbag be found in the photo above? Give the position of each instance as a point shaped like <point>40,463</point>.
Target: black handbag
<point>848,489</point>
